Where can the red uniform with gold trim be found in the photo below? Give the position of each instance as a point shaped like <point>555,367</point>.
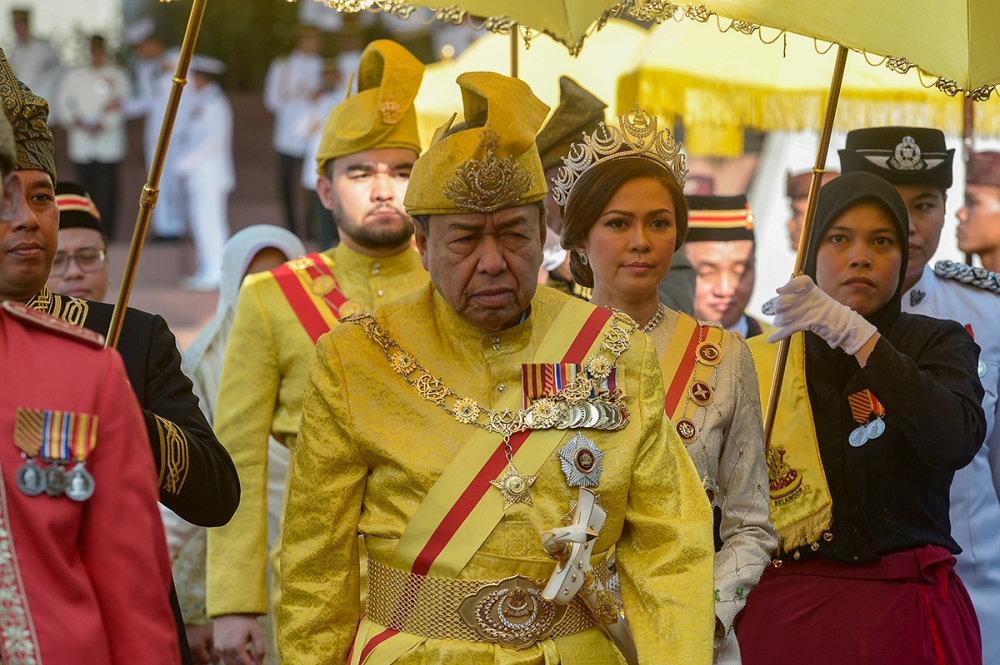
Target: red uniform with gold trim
<point>80,581</point>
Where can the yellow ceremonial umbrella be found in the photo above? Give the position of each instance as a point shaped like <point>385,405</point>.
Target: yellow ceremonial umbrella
<point>596,69</point>
<point>951,39</point>
<point>566,21</point>
<point>720,84</point>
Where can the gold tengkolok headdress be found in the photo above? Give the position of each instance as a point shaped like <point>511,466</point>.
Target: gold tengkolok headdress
<point>636,136</point>
<point>381,115</point>
<point>492,163</point>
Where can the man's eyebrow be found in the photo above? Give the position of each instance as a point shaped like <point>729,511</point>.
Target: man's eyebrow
<point>361,166</point>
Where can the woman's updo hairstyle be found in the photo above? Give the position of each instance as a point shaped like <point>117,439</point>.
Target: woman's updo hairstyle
<point>591,194</point>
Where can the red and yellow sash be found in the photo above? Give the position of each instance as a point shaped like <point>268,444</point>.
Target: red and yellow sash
<point>317,312</point>
<point>459,512</point>
<point>677,364</point>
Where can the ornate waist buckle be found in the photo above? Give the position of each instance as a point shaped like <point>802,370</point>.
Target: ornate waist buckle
<point>510,612</point>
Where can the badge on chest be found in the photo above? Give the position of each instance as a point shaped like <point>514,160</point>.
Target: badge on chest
<point>49,441</point>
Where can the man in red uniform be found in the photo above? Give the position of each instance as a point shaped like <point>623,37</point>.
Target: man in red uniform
<point>84,569</point>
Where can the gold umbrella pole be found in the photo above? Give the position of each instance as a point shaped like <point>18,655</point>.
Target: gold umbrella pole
<point>800,258</point>
<point>147,200</point>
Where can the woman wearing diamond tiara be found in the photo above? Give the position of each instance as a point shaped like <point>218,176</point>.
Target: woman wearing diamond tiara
<point>625,216</point>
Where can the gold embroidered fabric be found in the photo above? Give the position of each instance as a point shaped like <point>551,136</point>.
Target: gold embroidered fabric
<point>729,455</point>
<point>174,455</point>
<point>370,449</point>
<point>27,113</point>
<point>20,639</point>
<point>260,394</point>
<point>69,309</point>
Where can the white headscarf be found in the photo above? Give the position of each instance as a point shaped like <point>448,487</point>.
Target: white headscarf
<point>203,359</point>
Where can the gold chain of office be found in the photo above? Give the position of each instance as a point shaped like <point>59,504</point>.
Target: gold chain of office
<point>563,409</point>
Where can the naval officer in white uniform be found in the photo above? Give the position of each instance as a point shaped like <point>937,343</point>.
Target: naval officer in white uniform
<point>204,152</point>
<point>919,164</point>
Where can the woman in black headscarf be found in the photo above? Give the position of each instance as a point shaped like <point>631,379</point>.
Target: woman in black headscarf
<point>876,411</point>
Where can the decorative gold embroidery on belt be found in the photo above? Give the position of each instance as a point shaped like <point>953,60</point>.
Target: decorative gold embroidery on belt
<point>173,456</point>
<point>510,612</point>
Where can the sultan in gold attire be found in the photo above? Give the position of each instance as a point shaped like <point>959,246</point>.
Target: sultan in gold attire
<point>364,161</point>
<point>435,429</point>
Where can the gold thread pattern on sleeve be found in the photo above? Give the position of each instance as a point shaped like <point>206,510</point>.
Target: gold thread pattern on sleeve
<point>174,457</point>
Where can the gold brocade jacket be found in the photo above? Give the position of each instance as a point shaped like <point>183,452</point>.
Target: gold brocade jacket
<point>260,394</point>
<point>370,449</point>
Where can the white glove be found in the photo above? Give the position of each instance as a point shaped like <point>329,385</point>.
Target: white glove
<point>802,306</point>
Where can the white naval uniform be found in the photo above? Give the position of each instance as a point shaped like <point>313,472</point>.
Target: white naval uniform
<point>85,95</point>
<point>36,64</point>
<point>975,508</point>
<point>288,90</point>
<point>310,130</point>
<point>204,153</point>
<point>154,79</point>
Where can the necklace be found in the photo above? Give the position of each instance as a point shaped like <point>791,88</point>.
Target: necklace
<point>655,320</point>
<point>582,403</point>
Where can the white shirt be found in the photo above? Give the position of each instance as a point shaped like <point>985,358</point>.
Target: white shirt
<point>91,100</point>
<point>36,63</point>
<point>310,129</point>
<point>288,89</point>
<point>975,508</point>
<point>204,138</point>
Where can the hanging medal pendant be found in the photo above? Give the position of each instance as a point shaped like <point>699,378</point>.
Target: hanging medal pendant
<point>514,486</point>
<point>858,437</point>
<point>875,428</point>
<point>79,483</point>
<point>322,285</point>
<point>30,478</point>
<point>55,480</point>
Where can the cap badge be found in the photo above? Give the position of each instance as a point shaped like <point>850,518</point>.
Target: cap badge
<point>906,156</point>
<point>489,183</point>
<point>390,110</point>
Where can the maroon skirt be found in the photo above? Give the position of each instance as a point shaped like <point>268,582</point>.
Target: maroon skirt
<point>908,608</point>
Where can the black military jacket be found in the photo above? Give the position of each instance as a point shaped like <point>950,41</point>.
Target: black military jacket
<point>197,478</point>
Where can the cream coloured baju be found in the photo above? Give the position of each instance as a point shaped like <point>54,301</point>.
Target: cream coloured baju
<point>728,451</point>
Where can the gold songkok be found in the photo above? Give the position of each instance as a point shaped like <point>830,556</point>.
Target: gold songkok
<point>493,164</point>
<point>27,114</point>
<point>579,112</point>
<point>635,136</point>
<point>381,115</point>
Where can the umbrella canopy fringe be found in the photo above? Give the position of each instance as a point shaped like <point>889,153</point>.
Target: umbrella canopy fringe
<point>715,114</point>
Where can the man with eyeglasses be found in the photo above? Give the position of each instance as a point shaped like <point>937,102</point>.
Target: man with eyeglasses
<point>80,268</point>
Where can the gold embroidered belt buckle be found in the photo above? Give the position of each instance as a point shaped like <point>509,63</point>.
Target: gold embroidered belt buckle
<point>510,612</point>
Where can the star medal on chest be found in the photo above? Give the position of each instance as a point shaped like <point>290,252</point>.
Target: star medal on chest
<point>864,405</point>
<point>58,438</point>
<point>514,486</point>
<point>582,461</point>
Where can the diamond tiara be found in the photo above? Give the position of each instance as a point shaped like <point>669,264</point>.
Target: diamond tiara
<point>636,136</point>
